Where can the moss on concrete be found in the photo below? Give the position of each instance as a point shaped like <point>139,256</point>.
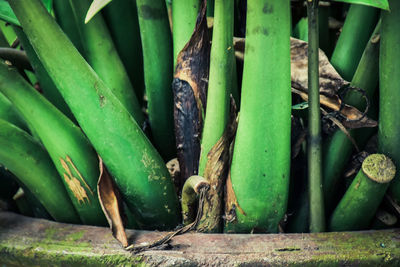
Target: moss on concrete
<point>13,256</point>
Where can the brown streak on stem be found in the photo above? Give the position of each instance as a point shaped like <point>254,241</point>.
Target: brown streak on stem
<point>79,174</point>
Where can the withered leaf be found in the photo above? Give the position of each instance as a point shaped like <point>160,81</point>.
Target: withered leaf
<point>190,94</point>
<point>216,170</point>
<point>231,203</point>
<point>330,82</point>
<point>355,118</point>
<point>110,202</point>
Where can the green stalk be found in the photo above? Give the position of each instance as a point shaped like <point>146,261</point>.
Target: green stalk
<point>338,149</point>
<point>135,165</point>
<point>260,168</point>
<point>27,159</point>
<point>210,8</point>
<point>323,25</point>
<point>157,60</point>
<point>10,114</point>
<point>3,40</point>
<point>72,154</point>
<point>300,31</point>
<point>65,18</point>
<point>100,52</point>
<point>220,79</point>
<point>357,29</point>
<point>361,200</point>
<point>8,32</point>
<point>46,83</point>
<point>315,192</point>
<point>184,14</point>
<point>389,71</point>
<point>122,20</point>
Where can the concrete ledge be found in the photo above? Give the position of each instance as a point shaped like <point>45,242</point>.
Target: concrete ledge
<point>34,242</point>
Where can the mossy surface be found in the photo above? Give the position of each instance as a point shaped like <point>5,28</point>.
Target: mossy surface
<point>34,242</point>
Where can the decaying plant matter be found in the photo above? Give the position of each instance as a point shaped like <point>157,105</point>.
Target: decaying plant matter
<point>190,93</point>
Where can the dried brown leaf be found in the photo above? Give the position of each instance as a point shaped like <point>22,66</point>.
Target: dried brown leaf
<point>329,79</point>
<point>216,170</point>
<point>342,128</point>
<point>190,94</point>
<point>330,82</point>
<point>111,204</point>
<point>354,118</point>
<point>231,203</point>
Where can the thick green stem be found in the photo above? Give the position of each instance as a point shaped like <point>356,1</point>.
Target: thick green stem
<point>46,83</point>
<point>10,114</point>
<point>184,14</point>
<point>27,159</point>
<point>361,200</point>
<point>357,29</point>
<point>8,32</point>
<point>317,217</point>
<point>100,52</point>
<point>122,20</point>
<point>323,25</point>
<point>220,79</point>
<point>338,148</point>
<point>65,18</point>
<point>135,165</point>
<point>261,159</point>
<point>71,152</point>
<point>210,8</point>
<point>157,60</point>
<point>389,108</point>
<point>3,40</point>
<point>300,31</point>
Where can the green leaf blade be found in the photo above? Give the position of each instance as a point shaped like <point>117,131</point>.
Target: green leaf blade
<point>382,4</point>
<point>7,14</point>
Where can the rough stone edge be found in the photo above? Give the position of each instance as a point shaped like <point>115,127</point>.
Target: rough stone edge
<point>36,242</point>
